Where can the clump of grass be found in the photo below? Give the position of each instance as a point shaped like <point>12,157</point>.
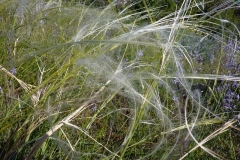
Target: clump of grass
<point>79,82</point>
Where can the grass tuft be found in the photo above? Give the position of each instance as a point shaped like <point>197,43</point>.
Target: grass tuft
<point>119,80</point>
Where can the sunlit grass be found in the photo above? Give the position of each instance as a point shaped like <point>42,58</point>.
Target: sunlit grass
<point>82,82</point>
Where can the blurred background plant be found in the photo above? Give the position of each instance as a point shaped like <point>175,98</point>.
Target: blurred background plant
<point>119,79</point>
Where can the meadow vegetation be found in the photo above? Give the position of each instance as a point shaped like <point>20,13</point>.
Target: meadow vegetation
<point>119,79</point>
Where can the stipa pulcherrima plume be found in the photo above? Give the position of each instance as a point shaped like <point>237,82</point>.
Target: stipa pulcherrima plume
<point>122,79</point>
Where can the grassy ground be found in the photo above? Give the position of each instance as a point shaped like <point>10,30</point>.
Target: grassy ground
<point>87,82</point>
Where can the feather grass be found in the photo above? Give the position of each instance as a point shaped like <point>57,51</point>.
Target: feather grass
<point>104,81</point>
